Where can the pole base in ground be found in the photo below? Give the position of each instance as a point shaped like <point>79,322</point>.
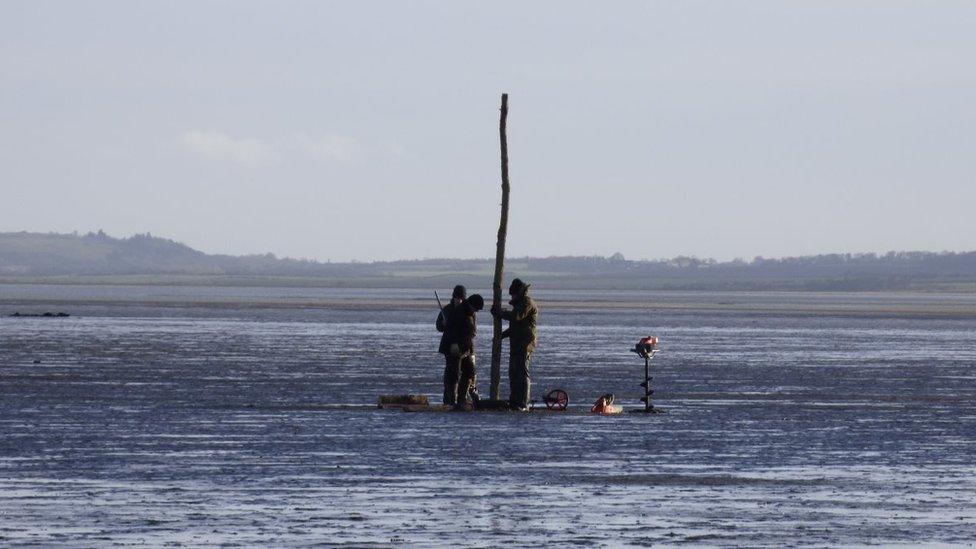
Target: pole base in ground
<point>491,404</point>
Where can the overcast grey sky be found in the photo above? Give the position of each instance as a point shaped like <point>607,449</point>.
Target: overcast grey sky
<point>368,130</point>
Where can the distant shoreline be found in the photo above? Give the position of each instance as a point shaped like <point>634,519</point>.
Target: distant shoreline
<point>558,282</point>
<point>27,298</point>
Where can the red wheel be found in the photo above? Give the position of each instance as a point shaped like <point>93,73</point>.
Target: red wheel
<point>557,399</point>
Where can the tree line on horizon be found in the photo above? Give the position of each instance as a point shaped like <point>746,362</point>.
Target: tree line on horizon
<point>96,253</point>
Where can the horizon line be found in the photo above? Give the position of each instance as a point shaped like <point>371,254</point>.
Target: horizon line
<point>101,233</point>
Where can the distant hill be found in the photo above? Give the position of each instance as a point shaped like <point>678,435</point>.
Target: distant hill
<point>51,254</point>
<point>30,256</point>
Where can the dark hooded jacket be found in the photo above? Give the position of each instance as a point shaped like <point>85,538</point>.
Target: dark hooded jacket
<point>465,326</point>
<point>445,325</point>
<point>522,319</point>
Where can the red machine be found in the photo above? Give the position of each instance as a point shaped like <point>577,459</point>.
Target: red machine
<point>646,346</point>
<point>556,399</point>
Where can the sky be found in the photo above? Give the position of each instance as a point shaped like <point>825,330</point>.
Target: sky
<point>366,130</point>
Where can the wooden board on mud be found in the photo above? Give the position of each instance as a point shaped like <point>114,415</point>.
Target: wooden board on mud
<point>534,411</point>
<point>403,401</point>
<point>420,403</point>
<point>539,409</point>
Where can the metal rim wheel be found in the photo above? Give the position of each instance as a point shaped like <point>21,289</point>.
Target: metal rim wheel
<point>557,399</point>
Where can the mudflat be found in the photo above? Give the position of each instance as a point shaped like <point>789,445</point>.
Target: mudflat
<point>246,416</point>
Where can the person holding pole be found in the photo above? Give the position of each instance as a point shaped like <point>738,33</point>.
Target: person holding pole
<point>522,319</point>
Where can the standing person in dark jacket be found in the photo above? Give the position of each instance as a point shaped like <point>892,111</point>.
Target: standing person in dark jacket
<point>522,319</point>
<point>449,347</point>
<point>466,328</point>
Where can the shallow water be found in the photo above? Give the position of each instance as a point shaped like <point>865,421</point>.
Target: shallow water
<point>163,421</point>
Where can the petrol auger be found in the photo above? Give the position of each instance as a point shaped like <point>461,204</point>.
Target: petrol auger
<point>646,348</point>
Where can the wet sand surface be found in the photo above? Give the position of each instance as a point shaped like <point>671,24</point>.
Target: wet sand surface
<point>156,419</point>
<point>207,300</point>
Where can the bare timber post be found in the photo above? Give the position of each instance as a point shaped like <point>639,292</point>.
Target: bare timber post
<point>496,341</point>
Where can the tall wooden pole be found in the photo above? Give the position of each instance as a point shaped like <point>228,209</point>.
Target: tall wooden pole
<point>496,342</point>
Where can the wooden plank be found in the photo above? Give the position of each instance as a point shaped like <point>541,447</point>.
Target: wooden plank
<point>395,401</point>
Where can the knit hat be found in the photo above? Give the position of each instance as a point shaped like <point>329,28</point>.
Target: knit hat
<point>518,287</point>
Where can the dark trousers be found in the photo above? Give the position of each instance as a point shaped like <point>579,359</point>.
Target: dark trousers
<point>468,379</point>
<point>459,377</point>
<point>519,382</point>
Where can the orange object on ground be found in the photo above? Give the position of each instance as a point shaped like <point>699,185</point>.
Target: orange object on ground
<point>604,405</point>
